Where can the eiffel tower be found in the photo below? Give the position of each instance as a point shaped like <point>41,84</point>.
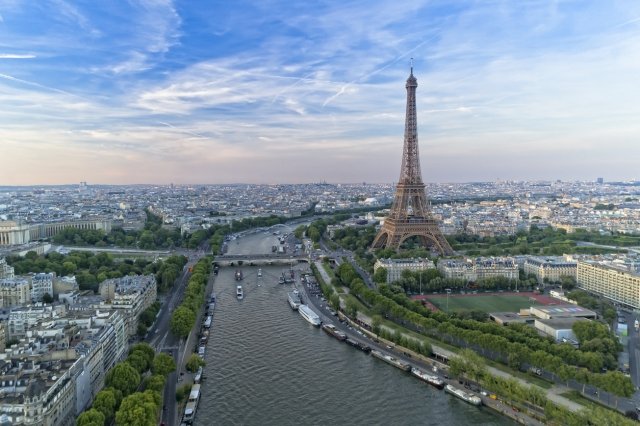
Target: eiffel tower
<point>410,214</point>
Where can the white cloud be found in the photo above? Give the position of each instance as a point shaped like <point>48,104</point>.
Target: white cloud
<point>16,56</point>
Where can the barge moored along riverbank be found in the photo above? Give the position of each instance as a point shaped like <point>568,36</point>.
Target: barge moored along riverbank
<point>331,330</point>
<point>465,396</point>
<point>364,348</point>
<point>391,360</point>
<point>429,378</point>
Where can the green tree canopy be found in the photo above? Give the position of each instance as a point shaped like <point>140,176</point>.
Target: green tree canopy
<point>123,377</point>
<point>106,402</point>
<point>163,364</point>
<point>194,363</point>
<point>139,409</point>
<point>182,321</point>
<point>91,417</point>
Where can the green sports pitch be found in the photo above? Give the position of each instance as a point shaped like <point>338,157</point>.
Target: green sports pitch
<point>488,303</point>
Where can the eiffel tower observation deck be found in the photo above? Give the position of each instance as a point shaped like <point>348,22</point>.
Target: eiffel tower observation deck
<point>410,214</point>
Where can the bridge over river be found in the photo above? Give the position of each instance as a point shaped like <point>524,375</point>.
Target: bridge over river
<point>259,259</point>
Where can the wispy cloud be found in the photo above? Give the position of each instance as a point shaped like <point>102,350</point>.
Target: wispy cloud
<point>207,95</point>
<point>16,56</point>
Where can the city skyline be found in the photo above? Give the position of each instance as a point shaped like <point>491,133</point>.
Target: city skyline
<point>183,92</point>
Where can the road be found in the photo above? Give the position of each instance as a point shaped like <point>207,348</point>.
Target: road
<point>160,337</point>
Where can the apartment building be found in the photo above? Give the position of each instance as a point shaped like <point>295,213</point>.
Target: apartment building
<point>14,292</point>
<point>481,268</point>
<point>395,267</point>
<point>550,269</point>
<point>613,282</point>
<point>131,295</point>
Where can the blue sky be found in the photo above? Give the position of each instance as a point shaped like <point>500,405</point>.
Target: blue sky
<point>269,91</point>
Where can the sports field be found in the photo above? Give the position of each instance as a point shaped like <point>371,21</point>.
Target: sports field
<point>485,303</point>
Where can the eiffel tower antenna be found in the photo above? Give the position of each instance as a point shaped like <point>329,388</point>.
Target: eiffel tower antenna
<point>410,213</point>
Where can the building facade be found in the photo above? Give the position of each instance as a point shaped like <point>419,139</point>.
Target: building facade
<point>395,267</point>
<point>6,270</point>
<point>14,233</point>
<point>131,295</point>
<point>618,285</point>
<point>14,292</point>
<point>41,284</point>
<point>481,268</point>
<point>550,269</point>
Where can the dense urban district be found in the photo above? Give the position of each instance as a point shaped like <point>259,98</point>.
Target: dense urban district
<point>106,292</point>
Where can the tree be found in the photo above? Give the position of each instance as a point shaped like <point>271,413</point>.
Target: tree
<point>182,321</point>
<point>146,349</point>
<point>194,363</point>
<point>139,409</point>
<point>376,324</point>
<point>155,383</point>
<point>351,308</point>
<point>123,377</point>
<point>163,364</point>
<point>380,276</point>
<point>46,298</point>
<point>91,417</point>
<point>139,361</point>
<point>106,402</point>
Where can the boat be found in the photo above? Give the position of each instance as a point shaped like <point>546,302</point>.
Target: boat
<point>239,292</point>
<point>294,299</point>
<point>207,322</point>
<point>308,314</point>
<point>212,297</point>
<point>192,404</point>
<point>281,280</point>
<point>198,377</point>
<point>259,273</point>
<point>210,308</point>
<point>429,378</point>
<point>465,396</point>
<point>391,360</point>
<point>364,348</point>
<point>238,275</point>
<point>331,330</point>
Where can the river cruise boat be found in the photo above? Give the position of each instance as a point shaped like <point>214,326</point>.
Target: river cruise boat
<point>308,314</point>
<point>391,360</point>
<point>429,378</point>
<point>465,396</point>
<point>239,293</point>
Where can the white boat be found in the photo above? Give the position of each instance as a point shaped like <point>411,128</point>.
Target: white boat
<point>207,322</point>
<point>259,273</point>
<point>192,404</point>
<point>429,378</point>
<point>294,299</point>
<point>308,314</point>
<point>239,292</point>
<point>465,396</point>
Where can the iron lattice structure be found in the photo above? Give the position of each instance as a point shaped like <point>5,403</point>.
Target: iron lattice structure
<point>410,214</point>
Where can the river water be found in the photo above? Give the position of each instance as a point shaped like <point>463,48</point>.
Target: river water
<point>267,366</point>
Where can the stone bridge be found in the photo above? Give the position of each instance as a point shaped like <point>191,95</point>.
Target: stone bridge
<point>259,259</point>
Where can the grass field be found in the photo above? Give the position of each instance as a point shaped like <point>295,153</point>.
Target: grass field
<point>492,303</point>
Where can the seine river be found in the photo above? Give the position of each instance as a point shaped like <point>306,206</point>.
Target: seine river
<point>267,366</point>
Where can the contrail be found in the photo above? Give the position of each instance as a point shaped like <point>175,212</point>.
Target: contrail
<point>34,84</point>
<point>376,71</point>
<point>189,132</point>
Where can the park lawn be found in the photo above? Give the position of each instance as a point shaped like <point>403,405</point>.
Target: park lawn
<point>488,303</point>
